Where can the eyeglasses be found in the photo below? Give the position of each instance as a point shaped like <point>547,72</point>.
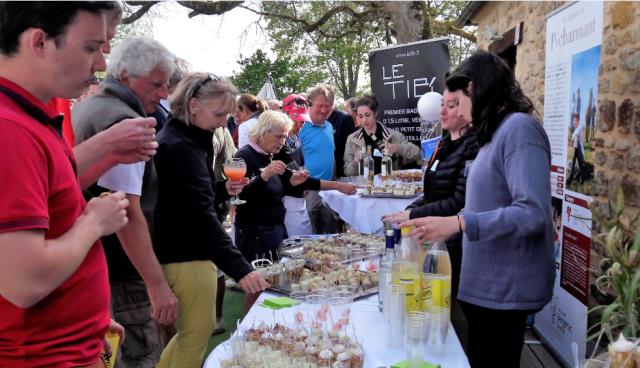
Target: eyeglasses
<point>297,102</point>
<point>210,78</point>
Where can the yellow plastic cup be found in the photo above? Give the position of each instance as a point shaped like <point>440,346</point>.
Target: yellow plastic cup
<point>113,339</point>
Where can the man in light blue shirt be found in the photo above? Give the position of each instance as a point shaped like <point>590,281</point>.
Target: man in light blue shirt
<point>316,138</point>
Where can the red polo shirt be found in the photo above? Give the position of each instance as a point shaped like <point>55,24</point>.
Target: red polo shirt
<point>39,190</point>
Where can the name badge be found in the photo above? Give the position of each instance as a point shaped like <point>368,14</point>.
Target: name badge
<point>435,165</point>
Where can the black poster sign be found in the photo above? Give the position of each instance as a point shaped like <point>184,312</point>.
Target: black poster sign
<point>400,74</point>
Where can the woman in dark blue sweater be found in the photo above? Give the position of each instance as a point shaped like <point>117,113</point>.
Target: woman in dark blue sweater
<point>508,265</point>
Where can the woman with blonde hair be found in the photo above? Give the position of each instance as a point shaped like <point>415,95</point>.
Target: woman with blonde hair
<point>248,109</point>
<point>189,240</point>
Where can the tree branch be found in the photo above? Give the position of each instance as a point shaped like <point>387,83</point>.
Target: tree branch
<point>315,26</point>
<point>449,27</point>
<point>144,8</point>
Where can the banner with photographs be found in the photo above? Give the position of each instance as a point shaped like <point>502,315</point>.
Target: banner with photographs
<point>573,39</point>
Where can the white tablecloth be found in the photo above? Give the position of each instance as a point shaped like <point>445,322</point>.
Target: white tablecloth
<point>368,329</point>
<point>363,214</point>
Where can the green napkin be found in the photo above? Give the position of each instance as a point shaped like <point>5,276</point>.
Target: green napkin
<point>277,303</point>
<point>405,364</point>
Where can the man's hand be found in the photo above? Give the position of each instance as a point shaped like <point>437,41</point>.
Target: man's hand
<point>164,304</point>
<point>299,177</point>
<point>109,212</point>
<point>234,187</point>
<point>397,217</point>
<point>274,168</point>
<point>347,188</point>
<point>132,140</point>
<point>432,227</point>
<point>114,328</point>
<point>253,283</point>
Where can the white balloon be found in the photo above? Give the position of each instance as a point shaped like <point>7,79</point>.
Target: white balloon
<point>429,106</point>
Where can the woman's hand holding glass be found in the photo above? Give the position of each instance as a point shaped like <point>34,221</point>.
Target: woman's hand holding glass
<point>235,170</point>
<point>433,228</point>
<point>234,187</point>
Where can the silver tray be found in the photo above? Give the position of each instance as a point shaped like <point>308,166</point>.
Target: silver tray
<point>284,288</point>
<point>385,195</point>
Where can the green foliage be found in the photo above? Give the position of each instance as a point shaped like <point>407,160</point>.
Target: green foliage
<point>290,75</point>
<point>619,236</point>
<point>342,55</point>
<point>341,43</point>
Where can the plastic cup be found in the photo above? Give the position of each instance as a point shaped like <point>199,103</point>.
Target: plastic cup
<point>394,313</point>
<point>417,329</point>
<point>439,329</point>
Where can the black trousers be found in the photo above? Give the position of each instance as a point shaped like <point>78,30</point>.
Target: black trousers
<point>495,336</point>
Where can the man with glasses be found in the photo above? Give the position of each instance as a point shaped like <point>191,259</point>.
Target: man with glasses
<point>137,75</point>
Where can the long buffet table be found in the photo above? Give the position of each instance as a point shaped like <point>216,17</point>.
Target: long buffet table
<point>363,214</point>
<point>369,330</point>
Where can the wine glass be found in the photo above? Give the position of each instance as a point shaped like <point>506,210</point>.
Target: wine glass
<point>235,169</point>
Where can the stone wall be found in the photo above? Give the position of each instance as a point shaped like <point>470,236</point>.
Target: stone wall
<point>618,133</point>
<point>505,15</point>
<point>617,139</point>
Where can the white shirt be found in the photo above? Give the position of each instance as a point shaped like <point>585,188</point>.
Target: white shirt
<point>126,178</point>
<point>577,137</point>
<point>243,131</point>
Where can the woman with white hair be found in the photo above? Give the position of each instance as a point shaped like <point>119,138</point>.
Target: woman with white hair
<point>259,223</point>
<point>189,239</point>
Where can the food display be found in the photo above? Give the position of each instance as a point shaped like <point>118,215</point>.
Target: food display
<point>399,190</point>
<point>413,175</point>
<point>356,280</point>
<point>281,346</point>
<point>623,354</point>
<point>307,264</point>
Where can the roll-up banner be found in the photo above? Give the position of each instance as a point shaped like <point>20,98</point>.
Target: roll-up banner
<point>573,39</point>
<point>400,74</point>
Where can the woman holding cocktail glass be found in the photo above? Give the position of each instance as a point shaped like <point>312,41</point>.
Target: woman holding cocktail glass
<point>188,238</point>
<point>508,264</point>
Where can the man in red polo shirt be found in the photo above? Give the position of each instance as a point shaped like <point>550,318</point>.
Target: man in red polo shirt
<point>54,290</point>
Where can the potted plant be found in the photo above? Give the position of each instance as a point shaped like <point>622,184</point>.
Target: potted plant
<point>619,236</point>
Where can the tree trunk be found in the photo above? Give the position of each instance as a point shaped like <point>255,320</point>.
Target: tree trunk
<point>407,20</point>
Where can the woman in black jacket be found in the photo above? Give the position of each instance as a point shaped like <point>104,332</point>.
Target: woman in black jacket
<point>260,222</point>
<point>445,179</point>
<point>189,238</point>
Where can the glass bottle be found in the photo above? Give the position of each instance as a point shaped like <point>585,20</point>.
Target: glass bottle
<point>386,265</point>
<point>369,167</point>
<point>386,168</point>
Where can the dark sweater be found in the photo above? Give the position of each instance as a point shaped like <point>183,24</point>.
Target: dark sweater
<point>187,228</point>
<point>444,188</point>
<point>264,199</point>
<point>343,125</point>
